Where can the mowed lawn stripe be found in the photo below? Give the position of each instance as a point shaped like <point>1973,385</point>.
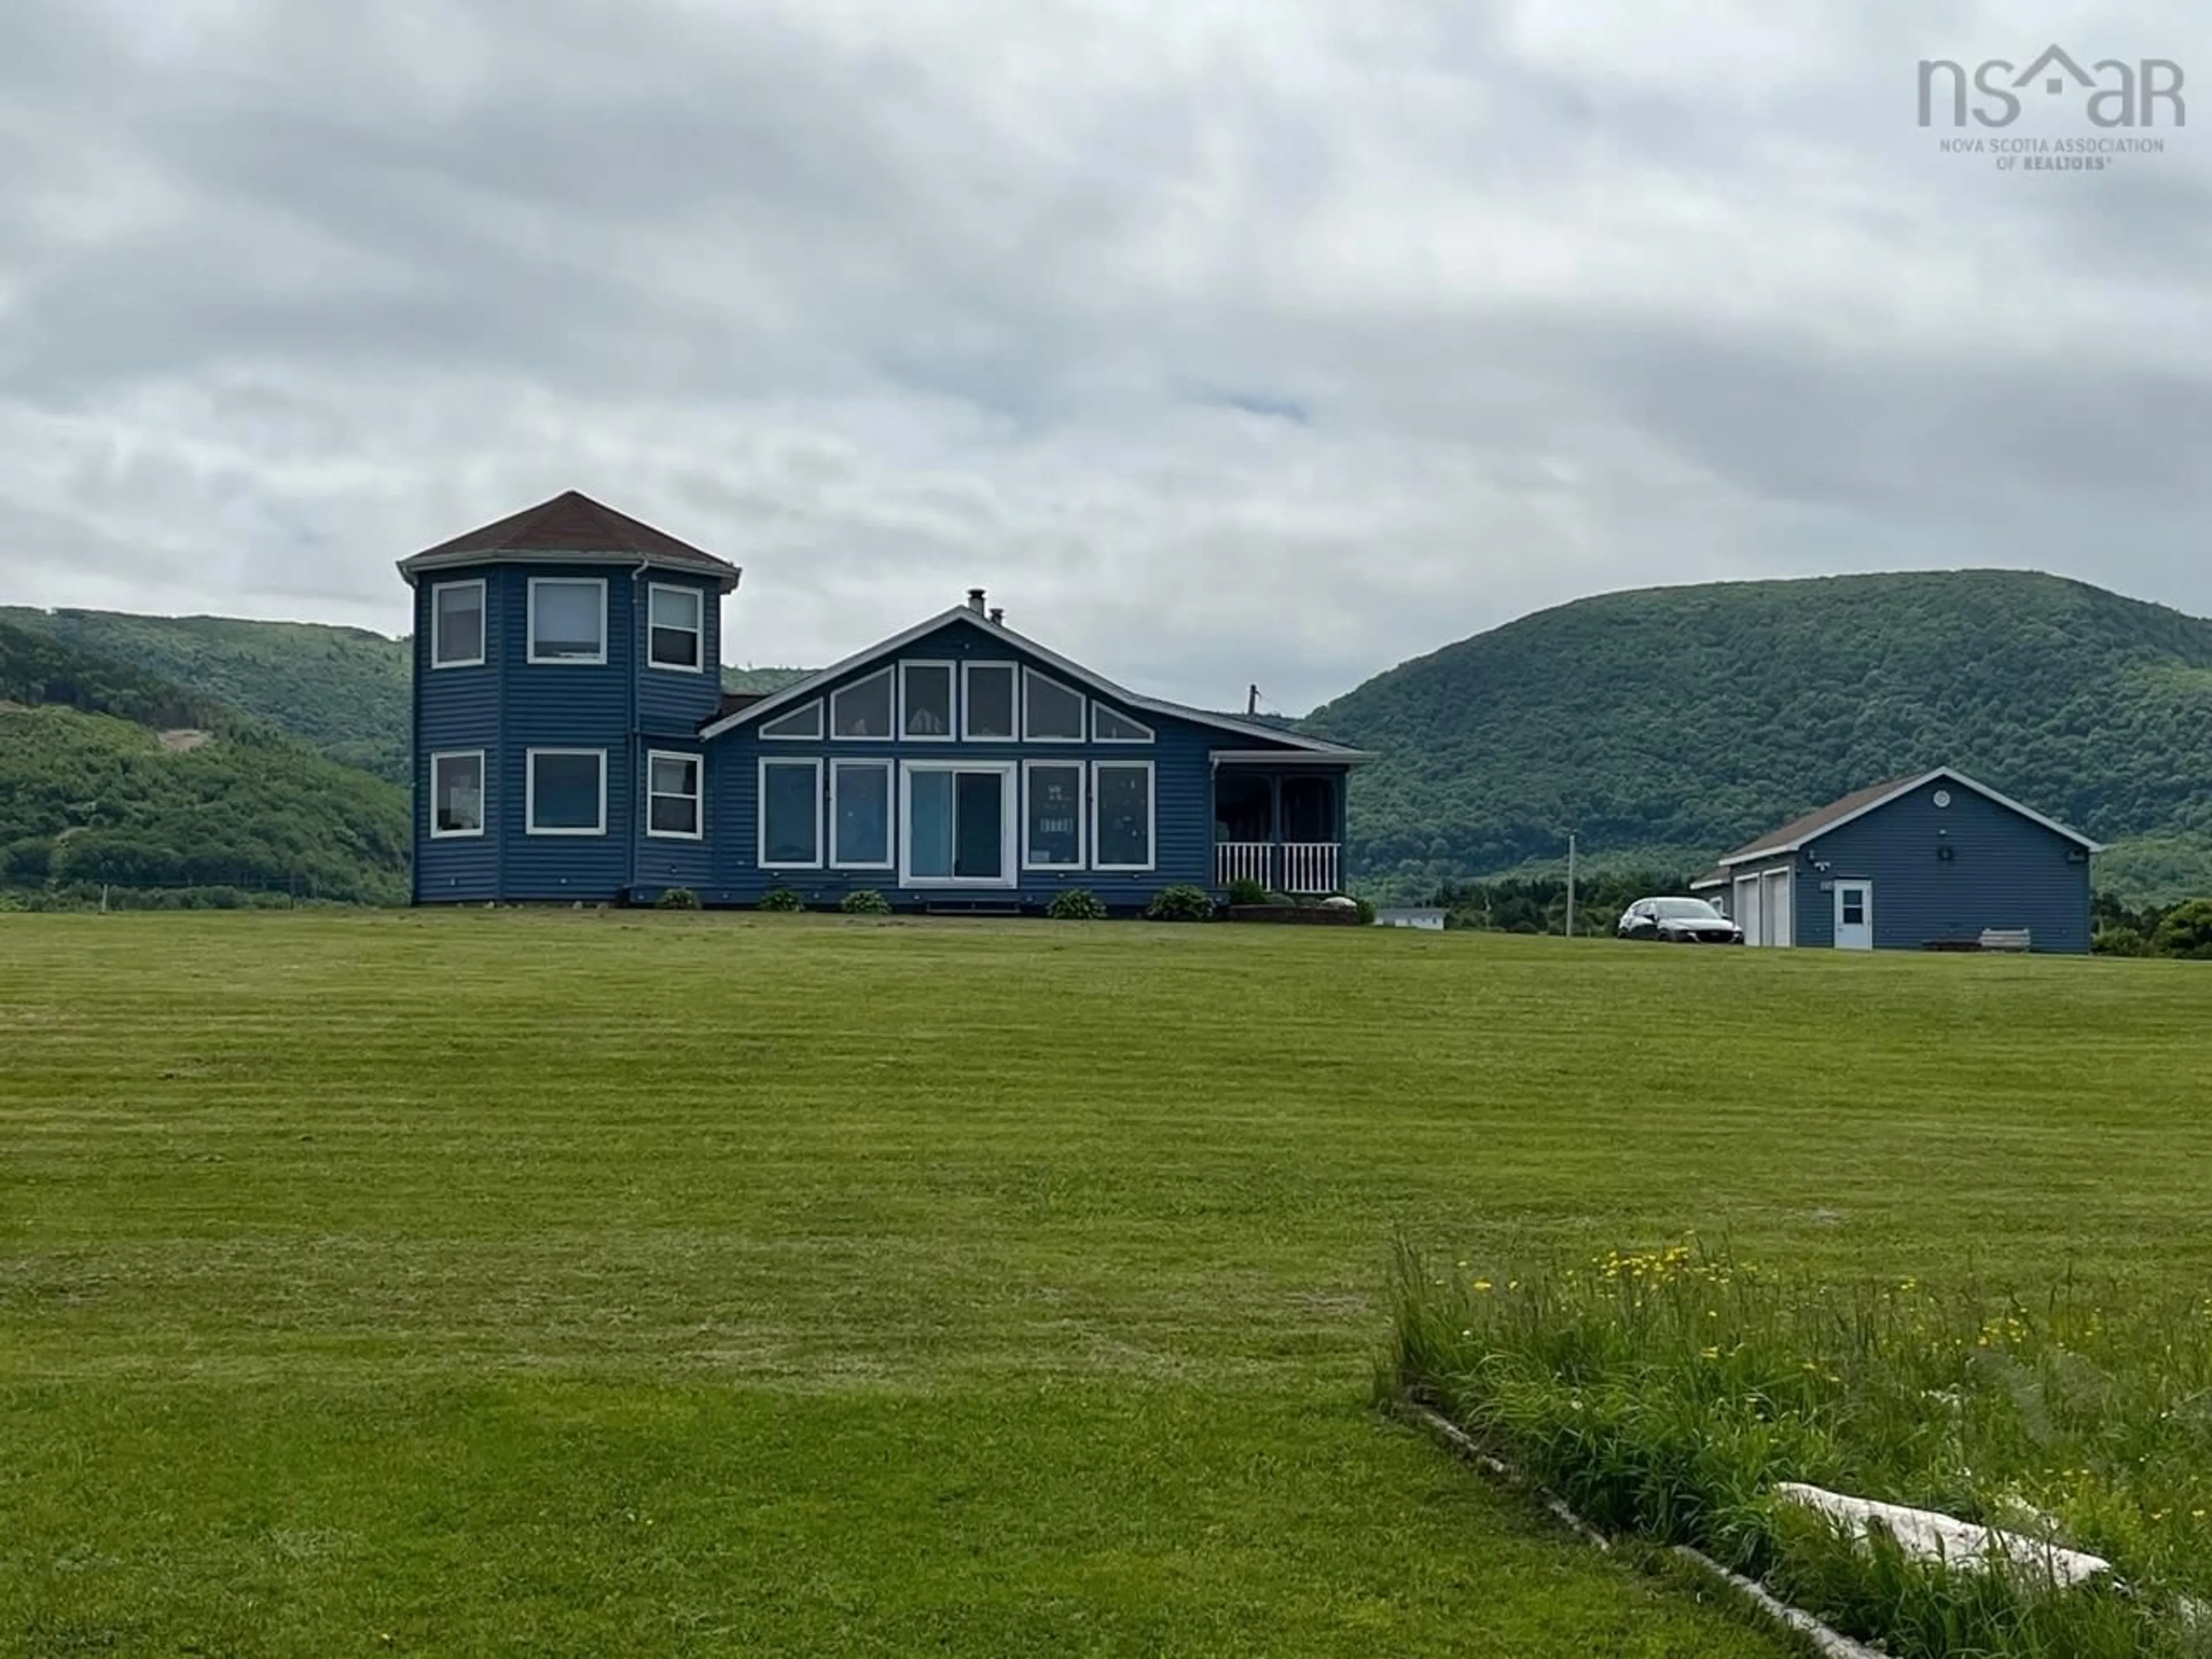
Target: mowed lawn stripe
<point>964,1288</point>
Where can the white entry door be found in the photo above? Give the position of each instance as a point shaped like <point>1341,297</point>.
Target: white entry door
<point>1854,915</point>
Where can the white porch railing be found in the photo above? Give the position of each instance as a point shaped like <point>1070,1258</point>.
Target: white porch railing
<point>1300,868</point>
<point>1242,861</point>
<point>1308,866</point>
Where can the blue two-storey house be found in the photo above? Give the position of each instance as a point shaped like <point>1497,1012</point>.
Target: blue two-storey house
<point>573,742</point>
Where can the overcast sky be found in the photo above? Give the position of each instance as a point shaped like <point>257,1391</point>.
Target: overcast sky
<point>1275,341</point>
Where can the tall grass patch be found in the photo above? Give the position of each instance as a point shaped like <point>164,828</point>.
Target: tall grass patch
<point>1666,1393</point>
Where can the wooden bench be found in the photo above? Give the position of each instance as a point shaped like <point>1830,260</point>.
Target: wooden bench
<point>2004,938</point>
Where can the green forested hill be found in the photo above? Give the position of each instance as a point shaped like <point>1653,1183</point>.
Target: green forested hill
<point>112,775</point>
<point>343,690</point>
<point>1668,725</point>
<point>1662,726</point>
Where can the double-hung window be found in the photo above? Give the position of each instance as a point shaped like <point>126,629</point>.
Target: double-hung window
<point>676,626</point>
<point>457,624</point>
<point>672,794</point>
<point>457,793</point>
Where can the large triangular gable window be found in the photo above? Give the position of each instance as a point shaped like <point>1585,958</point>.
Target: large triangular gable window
<point>1050,712</point>
<point>804,721</point>
<point>863,709</point>
<point>1106,727</point>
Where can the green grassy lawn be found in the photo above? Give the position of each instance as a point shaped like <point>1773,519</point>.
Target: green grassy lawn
<point>573,1283</point>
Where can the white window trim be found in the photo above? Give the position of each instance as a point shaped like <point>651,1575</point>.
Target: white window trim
<point>530,622</point>
<point>951,731</point>
<point>1152,814</point>
<point>891,700</point>
<point>698,630</point>
<point>1012,670</point>
<point>891,814</point>
<point>530,792</point>
<point>1082,815</point>
<point>1083,706</point>
<point>697,797</point>
<point>1009,825</point>
<point>760,815</point>
<point>815,736</point>
<point>1098,709</point>
<point>484,792</point>
<point>484,626</point>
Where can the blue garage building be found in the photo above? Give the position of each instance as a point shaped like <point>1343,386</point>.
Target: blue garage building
<point>1930,861</point>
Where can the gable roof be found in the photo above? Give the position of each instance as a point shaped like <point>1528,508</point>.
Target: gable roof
<point>1795,834</point>
<point>571,527</point>
<point>1268,737</point>
<point>733,700</point>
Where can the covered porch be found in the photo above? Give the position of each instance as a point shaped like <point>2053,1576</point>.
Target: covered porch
<point>1280,822</point>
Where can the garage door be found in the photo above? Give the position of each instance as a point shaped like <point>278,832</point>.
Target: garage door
<point>1747,908</point>
<point>1776,912</point>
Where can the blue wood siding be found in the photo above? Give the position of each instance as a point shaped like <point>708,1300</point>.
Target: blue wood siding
<point>457,709</point>
<point>2004,871</point>
<point>624,708</point>
<point>665,861</point>
<point>1182,795</point>
<point>509,705</point>
<point>567,706</point>
<point>674,701</point>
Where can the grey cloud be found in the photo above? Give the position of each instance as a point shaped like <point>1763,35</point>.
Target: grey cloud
<point>1220,352</point>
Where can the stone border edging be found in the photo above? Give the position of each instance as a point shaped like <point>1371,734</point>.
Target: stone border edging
<point>1829,1642</point>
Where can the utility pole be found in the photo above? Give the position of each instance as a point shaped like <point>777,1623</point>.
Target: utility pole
<point>1251,701</point>
<point>1570,884</point>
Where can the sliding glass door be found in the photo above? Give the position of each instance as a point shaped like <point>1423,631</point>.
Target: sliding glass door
<point>959,824</point>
